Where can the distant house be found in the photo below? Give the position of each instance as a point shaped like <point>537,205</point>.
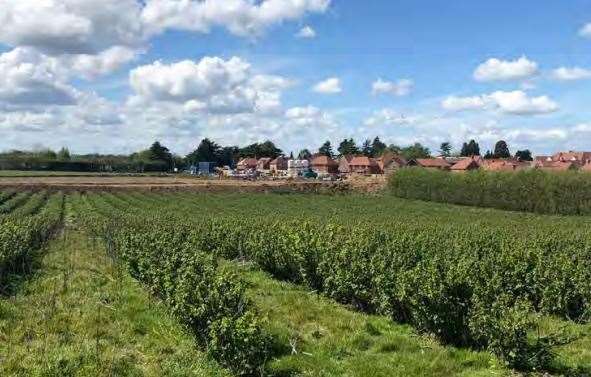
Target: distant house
<point>247,164</point>
<point>264,164</point>
<point>389,163</point>
<point>542,159</point>
<point>430,163</point>
<point>344,166</point>
<point>324,165</point>
<point>278,165</point>
<point>467,164</point>
<point>580,158</point>
<point>556,165</point>
<point>364,165</point>
<point>504,165</point>
<point>296,168</point>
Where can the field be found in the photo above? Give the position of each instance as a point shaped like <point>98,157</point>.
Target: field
<point>186,283</point>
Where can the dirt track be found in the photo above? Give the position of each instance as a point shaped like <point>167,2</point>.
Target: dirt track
<point>168,183</point>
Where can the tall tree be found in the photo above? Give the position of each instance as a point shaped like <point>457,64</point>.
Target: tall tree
<point>416,150</point>
<point>304,154</point>
<point>258,150</point>
<point>470,149</point>
<point>159,152</point>
<point>207,151</point>
<point>326,149</point>
<point>64,154</point>
<point>348,147</point>
<point>378,147</point>
<point>366,148</point>
<point>445,149</point>
<point>502,150</point>
<point>524,155</point>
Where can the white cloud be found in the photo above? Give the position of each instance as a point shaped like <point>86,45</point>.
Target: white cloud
<point>571,74</point>
<point>400,88</point>
<point>585,31</point>
<point>329,86</point>
<point>454,103</point>
<point>514,103</point>
<point>70,26</point>
<point>389,117</point>
<point>212,84</point>
<point>306,32</point>
<point>241,17</point>
<point>28,78</point>
<point>518,103</point>
<point>500,70</point>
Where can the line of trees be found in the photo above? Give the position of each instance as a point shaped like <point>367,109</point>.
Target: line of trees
<point>158,158</point>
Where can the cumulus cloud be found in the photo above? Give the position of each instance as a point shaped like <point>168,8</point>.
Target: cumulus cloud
<point>306,32</point>
<point>585,31</point>
<point>329,86</point>
<point>211,84</point>
<point>454,103</point>
<point>243,18</point>
<point>389,117</point>
<point>399,88</point>
<point>515,103</point>
<point>506,70</point>
<point>70,26</point>
<point>571,74</point>
<point>27,78</point>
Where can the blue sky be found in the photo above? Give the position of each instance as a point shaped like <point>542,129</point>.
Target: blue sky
<point>114,78</point>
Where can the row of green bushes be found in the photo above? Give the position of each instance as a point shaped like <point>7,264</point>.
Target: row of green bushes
<point>469,287</point>
<point>481,286</point>
<point>22,235</point>
<point>209,300</point>
<point>566,193</point>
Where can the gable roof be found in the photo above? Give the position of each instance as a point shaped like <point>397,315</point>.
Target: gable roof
<point>323,161</point>
<point>432,163</point>
<point>360,161</point>
<point>466,164</point>
<point>572,156</point>
<point>251,162</point>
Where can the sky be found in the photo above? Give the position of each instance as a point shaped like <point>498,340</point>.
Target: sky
<point>115,75</point>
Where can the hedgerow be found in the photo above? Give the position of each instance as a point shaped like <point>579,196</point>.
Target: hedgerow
<point>209,300</point>
<point>21,236</point>
<point>566,193</point>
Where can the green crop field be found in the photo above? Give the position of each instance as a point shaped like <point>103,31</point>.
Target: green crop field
<point>221,284</point>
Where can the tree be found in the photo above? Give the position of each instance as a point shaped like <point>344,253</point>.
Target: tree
<point>348,147</point>
<point>366,149</point>
<point>258,150</point>
<point>415,151</point>
<point>64,155</point>
<point>395,149</point>
<point>326,149</point>
<point>502,150</point>
<point>207,151</point>
<point>378,146</point>
<point>524,155</point>
<point>227,156</point>
<point>304,155</point>
<point>489,155</point>
<point>445,149</point>
<point>159,152</point>
<point>470,149</point>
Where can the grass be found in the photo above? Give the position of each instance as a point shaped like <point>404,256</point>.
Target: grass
<point>317,337</point>
<point>80,315</point>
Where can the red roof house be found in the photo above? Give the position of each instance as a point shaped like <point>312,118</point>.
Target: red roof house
<point>431,163</point>
<point>324,165</point>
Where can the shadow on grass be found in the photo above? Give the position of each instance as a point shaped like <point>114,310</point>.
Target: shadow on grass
<point>20,272</point>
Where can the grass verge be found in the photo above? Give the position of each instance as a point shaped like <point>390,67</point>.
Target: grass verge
<point>81,315</point>
<point>318,337</point>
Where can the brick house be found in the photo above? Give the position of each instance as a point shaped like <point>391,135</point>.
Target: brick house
<point>390,163</point>
<point>344,166</point>
<point>467,164</point>
<point>324,165</point>
<point>430,163</point>
<point>364,165</point>
<point>278,165</point>
<point>247,164</point>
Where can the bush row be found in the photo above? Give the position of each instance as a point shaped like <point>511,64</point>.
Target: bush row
<point>20,236</point>
<point>209,300</point>
<point>469,287</point>
<point>567,193</point>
